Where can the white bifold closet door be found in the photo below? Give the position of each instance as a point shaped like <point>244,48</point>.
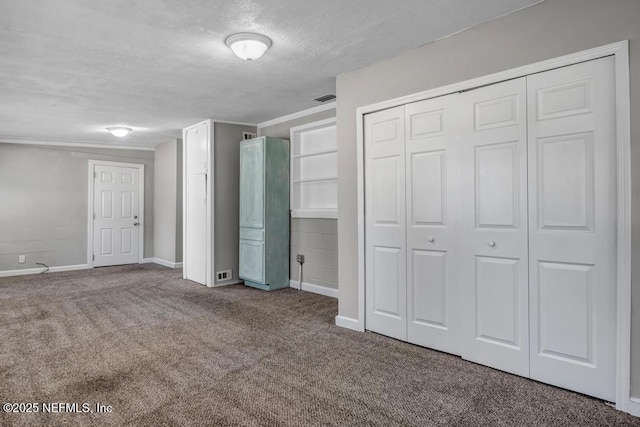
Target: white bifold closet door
<point>537,242</point>
<point>385,223</point>
<point>494,298</point>
<point>412,205</point>
<point>572,227</point>
<point>490,225</point>
<point>432,210</point>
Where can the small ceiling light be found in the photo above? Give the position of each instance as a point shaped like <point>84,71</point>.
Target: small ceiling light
<point>119,131</point>
<point>248,46</point>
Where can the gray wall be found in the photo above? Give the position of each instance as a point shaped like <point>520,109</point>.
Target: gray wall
<point>44,202</point>
<point>226,143</point>
<point>547,30</point>
<point>168,201</point>
<point>316,239</point>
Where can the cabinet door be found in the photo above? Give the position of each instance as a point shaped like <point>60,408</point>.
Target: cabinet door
<point>572,223</point>
<point>493,233</point>
<point>386,259</point>
<point>252,260</point>
<point>252,183</point>
<point>432,170</point>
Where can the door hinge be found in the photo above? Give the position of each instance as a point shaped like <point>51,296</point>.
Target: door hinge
<point>94,215</point>
<point>95,174</point>
<point>93,257</point>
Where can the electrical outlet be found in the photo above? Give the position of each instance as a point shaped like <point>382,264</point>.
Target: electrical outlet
<point>22,259</point>
<point>224,275</point>
<point>300,259</point>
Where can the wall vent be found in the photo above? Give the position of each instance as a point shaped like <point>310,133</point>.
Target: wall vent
<point>325,98</point>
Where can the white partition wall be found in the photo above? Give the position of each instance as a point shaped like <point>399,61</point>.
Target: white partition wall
<point>197,203</point>
<point>210,201</point>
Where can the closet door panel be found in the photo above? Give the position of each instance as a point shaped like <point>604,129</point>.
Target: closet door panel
<point>497,193</point>
<point>385,223</point>
<point>493,261</point>
<point>432,209</point>
<point>428,288</point>
<point>427,178</point>
<point>572,222</point>
<point>497,315</point>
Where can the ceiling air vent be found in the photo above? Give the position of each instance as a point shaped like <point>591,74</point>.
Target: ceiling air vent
<point>325,98</point>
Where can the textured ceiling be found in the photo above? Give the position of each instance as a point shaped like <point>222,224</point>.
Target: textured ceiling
<point>69,68</point>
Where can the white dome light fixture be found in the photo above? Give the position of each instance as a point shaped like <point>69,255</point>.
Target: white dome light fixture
<point>248,46</point>
<point>119,131</point>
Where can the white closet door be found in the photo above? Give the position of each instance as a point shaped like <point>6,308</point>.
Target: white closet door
<point>385,223</point>
<point>432,209</point>
<point>493,234</point>
<point>572,222</point>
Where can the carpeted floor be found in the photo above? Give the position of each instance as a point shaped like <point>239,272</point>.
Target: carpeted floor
<point>164,351</point>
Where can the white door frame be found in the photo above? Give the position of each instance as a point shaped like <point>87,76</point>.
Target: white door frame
<point>91,168</point>
<point>210,237</point>
<point>620,51</point>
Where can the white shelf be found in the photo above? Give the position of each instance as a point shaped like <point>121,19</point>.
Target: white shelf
<point>318,153</point>
<point>314,181</point>
<point>315,213</point>
<point>324,178</point>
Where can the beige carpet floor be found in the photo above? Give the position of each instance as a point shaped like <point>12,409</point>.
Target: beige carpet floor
<point>163,351</point>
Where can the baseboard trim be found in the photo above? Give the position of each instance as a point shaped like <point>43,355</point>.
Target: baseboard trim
<point>221,284</point>
<point>316,289</point>
<point>166,263</point>
<point>349,323</point>
<point>39,270</point>
<point>162,262</point>
<point>633,406</point>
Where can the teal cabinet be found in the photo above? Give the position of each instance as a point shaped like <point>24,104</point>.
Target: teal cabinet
<point>264,213</point>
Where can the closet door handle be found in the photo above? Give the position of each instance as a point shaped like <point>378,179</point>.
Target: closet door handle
<point>431,239</point>
<point>491,243</point>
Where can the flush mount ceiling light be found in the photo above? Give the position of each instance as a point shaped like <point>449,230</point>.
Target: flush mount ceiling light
<point>119,131</point>
<point>248,46</point>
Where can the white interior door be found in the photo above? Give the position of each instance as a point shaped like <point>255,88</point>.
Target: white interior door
<point>196,153</point>
<point>385,223</point>
<point>432,211</point>
<point>116,194</point>
<point>572,222</point>
<point>493,234</point>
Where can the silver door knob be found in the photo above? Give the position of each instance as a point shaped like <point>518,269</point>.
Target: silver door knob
<point>431,239</point>
<point>136,224</point>
<point>492,243</point>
